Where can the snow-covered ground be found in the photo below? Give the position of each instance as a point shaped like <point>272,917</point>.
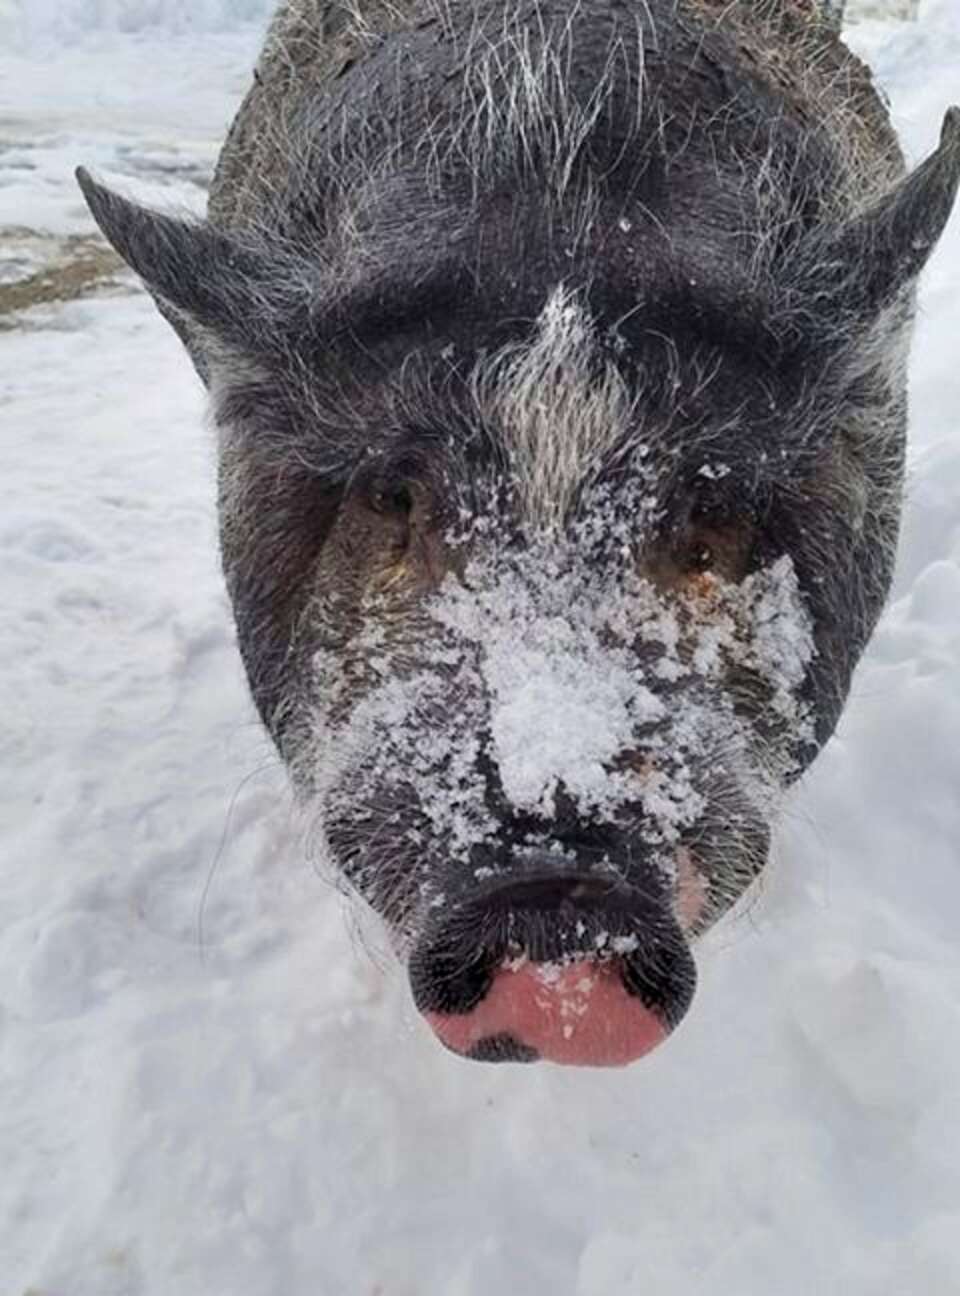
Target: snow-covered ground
<point>207,1088</point>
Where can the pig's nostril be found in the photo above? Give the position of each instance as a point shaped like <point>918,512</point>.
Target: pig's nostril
<point>579,1013</point>
<point>663,976</point>
<point>602,971</point>
<point>502,1048</point>
<point>550,918</point>
<point>443,980</point>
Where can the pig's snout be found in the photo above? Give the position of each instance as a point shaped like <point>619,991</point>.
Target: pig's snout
<point>568,970</point>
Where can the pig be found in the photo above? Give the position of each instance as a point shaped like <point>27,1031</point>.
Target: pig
<point>556,352</point>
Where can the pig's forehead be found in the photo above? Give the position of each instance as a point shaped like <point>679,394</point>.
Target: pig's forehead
<point>565,391</point>
<point>660,295</point>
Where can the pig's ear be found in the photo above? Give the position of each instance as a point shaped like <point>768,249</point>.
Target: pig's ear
<point>199,275</point>
<point>862,267</point>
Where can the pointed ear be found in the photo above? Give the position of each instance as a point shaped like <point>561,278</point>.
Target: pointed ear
<point>203,275</point>
<point>862,267</point>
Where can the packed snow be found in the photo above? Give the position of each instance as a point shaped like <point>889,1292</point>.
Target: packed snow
<point>207,1084</point>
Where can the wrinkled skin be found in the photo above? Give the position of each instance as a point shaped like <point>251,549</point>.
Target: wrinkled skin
<point>558,360</point>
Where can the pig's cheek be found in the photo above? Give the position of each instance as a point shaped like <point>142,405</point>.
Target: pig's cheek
<point>690,891</point>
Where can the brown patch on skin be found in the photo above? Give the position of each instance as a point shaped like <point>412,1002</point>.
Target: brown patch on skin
<point>702,556</point>
<point>641,763</point>
<point>84,266</point>
<point>394,537</point>
<point>700,586</point>
<point>690,892</point>
<point>383,553</point>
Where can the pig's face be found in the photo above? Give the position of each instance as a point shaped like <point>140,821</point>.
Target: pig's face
<point>565,638</point>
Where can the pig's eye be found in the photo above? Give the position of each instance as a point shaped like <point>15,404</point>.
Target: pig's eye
<point>700,557</point>
<point>719,546</point>
<point>394,499</point>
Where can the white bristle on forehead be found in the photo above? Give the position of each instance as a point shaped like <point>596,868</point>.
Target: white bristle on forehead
<point>558,405</point>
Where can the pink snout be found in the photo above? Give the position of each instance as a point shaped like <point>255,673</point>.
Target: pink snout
<point>578,1014</point>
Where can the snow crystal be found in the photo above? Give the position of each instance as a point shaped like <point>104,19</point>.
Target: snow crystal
<point>714,471</point>
<point>782,632</point>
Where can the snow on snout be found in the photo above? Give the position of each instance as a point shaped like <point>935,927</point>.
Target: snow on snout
<point>562,708</point>
<point>562,704</point>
